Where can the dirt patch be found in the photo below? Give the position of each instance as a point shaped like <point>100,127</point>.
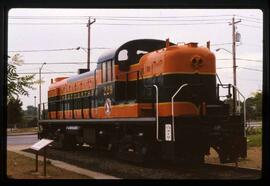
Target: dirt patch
<point>253,160</point>
<point>21,167</point>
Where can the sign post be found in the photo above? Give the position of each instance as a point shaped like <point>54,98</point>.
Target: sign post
<point>36,161</point>
<point>42,144</point>
<point>44,160</point>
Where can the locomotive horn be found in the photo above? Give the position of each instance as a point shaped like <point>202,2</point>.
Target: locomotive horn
<point>167,42</point>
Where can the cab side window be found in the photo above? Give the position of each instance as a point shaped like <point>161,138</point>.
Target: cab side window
<point>107,71</point>
<point>104,70</point>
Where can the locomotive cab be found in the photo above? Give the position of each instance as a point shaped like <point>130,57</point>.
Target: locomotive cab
<point>131,52</point>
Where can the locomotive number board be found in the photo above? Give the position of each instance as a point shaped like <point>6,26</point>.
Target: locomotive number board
<point>168,132</point>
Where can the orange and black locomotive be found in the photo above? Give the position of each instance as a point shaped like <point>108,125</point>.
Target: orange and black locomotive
<point>147,99</point>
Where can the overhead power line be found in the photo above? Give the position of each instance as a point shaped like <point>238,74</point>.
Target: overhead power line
<point>131,17</point>
<point>126,19</point>
<point>166,17</point>
<point>248,20</point>
<point>48,17</point>
<point>71,23</point>
<point>140,19</point>
<point>250,26</point>
<point>254,60</point>
<point>245,68</point>
<point>45,50</point>
<point>58,63</point>
<point>215,44</point>
<point>54,50</point>
<point>253,69</point>
<point>158,24</point>
<point>223,67</point>
<point>248,17</point>
<point>46,72</point>
<point>112,24</point>
<point>196,22</point>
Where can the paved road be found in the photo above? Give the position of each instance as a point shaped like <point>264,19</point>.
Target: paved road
<point>22,140</point>
<point>254,124</point>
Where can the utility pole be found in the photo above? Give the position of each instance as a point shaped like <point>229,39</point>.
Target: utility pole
<point>234,61</point>
<point>35,97</point>
<point>88,49</point>
<point>39,108</point>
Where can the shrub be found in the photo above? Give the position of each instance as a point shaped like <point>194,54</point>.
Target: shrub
<point>254,130</point>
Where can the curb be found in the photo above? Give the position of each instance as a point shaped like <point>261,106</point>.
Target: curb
<point>22,134</point>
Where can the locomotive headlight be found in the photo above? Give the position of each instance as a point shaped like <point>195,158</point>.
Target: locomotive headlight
<point>196,62</point>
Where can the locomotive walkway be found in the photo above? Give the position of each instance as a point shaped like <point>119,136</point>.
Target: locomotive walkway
<point>96,175</point>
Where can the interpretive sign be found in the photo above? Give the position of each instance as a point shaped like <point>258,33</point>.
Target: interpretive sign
<point>41,144</point>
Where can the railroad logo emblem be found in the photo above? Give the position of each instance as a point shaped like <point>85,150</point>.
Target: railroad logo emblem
<point>108,106</point>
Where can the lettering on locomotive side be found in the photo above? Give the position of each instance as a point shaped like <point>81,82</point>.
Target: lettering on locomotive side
<point>107,90</point>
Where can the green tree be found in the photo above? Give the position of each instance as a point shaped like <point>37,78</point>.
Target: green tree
<point>18,85</point>
<point>254,106</point>
<point>14,112</point>
<point>30,116</point>
<point>31,111</point>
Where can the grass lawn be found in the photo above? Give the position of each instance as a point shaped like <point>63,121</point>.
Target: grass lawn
<point>21,167</point>
<point>254,140</point>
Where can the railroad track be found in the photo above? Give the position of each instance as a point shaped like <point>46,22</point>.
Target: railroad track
<point>240,169</point>
<point>237,172</point>
<point>102,161</point>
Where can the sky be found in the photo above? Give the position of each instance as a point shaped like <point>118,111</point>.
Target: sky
<point>52,36</point>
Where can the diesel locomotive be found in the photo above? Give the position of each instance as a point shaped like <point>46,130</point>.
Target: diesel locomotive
<point>147,99</point>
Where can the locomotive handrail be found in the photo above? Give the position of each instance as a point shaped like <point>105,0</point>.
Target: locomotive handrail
<point>182,86</point>
<point>239,93</point>
<point>157,121</point>
<point>244,102</point>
